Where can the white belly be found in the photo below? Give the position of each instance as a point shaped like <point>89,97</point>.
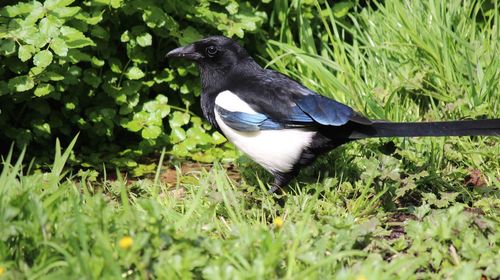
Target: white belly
<point>275,150</point>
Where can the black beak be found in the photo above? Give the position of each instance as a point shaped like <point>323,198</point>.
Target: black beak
<point>187,52</point>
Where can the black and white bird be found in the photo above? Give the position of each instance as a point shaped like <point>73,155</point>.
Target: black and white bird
<point>281,124</point>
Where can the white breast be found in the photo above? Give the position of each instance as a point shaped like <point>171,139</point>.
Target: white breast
<point>275,150</point>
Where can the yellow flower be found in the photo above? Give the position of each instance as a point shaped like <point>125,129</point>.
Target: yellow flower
<point>361,277</point>
<point>2,270</point>
<point>278,222</point>
<point>126,242</point>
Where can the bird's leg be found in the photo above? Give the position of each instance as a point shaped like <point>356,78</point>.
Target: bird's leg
<point>273,188</point>
<point>281,180</point>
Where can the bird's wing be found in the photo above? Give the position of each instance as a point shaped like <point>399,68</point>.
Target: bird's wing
<point>242,121</point>
<point>326,111</point>
<point>274,101</point>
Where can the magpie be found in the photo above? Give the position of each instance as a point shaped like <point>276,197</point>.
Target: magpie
<point>281,124</point>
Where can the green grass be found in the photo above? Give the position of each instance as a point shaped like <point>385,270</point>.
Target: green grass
<point>208,226</point>
<point>374,209</point>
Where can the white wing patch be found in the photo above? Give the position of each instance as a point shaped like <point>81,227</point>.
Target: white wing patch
<point>275,150</point>
<point>233,103</point>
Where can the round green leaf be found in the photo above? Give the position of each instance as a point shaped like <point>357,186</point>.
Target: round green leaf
<point>232,8</point>
<point>97,62</point>
<point>18,9</point>
<point>190,34</point>
<point>144,40</point>
<point>179,119</point>
<point>37,12</point>
<point>70,106</point>
<point>25,52</point>
<point>49,26</point>
<point>43,89</point>
<point>7,47</point>
<point>54,4</point>
<point>21,83</point>
<point>177,135</point>
<point>116,3</point>
<point>43,58</point>
<point>91,19</point>
<point>35,71</point>
<point>39,40</point>
<point>134,125</point>
<point>59,47</point>
<point>151,132</point>
<point>135,73</point>
<point>125,37</point>
<point>66,12</point>
<point>53,76</point>
<point>75,38</point>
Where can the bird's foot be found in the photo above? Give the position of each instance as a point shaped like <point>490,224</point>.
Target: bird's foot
<point>273,189</point>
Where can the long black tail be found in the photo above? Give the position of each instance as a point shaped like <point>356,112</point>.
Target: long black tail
<point>417,129</point>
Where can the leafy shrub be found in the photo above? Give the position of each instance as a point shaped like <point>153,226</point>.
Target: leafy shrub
<point>97,67</point>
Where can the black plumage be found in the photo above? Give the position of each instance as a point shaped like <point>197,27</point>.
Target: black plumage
<point>275,102</point>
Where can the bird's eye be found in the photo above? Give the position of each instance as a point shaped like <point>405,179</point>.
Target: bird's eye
<point>211,51</point>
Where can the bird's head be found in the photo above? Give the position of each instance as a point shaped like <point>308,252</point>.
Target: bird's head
<point>215,52</point>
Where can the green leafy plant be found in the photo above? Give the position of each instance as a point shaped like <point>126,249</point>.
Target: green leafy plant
<point>98,68</point>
